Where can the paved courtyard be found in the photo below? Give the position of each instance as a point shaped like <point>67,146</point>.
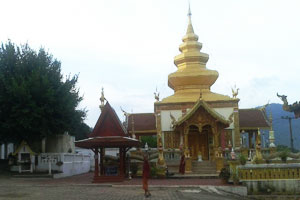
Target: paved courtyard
<point>80,187</point>
<point>51,192</point>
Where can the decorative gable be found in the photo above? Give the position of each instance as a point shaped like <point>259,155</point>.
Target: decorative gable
<point>202,108</point>
<point>108,124</point>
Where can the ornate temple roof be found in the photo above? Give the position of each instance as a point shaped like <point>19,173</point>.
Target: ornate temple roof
<point>108,124</point>
<point>206,107</point>
<point>253,119</point>
<point>192,76</point>
<point>108,132</point>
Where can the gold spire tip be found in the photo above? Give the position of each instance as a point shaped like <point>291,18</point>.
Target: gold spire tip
<point>189,13</point>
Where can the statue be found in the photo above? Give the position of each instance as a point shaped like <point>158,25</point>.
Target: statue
<point>295,107</point>
<point>173,120</point>
<point>258,155</point>
<point>283,98</point>
<point>156,95</point>
<point>126,114</point>
<point>235,92</point>
<point>102,99</point>
<point>230,118</point>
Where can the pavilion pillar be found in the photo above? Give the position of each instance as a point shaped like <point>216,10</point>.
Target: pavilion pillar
<point>121,154</point>
<point>96,173</point>
<point>101,161</point>
<point>124,161</point>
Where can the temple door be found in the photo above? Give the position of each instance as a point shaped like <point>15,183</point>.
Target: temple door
<point>203,145</point>
<point>193,145</point>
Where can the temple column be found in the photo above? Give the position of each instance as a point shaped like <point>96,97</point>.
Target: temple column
<point>96,173</point>
<point>216,142</point>
<point>218,135</point>
<point>188,159</point>
<point>236,136</point>
<point>160,161</point>
<point>181,139</point>
<point>223,140</point>
<point>186,143</point>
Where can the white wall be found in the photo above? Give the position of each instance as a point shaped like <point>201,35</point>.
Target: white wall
<point>89,152</point>
<point>60,144</point>
<point>72,163</point>
<point>10,149</point>
<point>226,112</point>
<point>1,151</point>
<point>166,119</point>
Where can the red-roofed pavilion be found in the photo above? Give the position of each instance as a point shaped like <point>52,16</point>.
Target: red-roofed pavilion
<point>108,133</point>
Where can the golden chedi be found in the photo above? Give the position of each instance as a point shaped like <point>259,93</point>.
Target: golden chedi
<point>192,77</point>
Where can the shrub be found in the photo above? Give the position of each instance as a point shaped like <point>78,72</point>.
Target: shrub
<point>283,155</point>
<point>235,179</point>
<point>242,159</point>
<point>134,168</point>
<point>153,171</point>
<point>224,174</point>
<point>59,163</point>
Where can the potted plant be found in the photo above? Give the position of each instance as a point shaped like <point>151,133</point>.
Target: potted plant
<point>283,155</point>
<point>235,179</point>
<point>224,175</point>
<point>242,159</point>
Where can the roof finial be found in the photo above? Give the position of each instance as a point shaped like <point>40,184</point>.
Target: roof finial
<point>156,95</point>
<point>190,26</point>
<point>102,99</point>
<point>190,13</point>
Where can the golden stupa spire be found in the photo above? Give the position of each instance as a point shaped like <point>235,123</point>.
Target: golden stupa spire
<point>192,74</point>
<point>190,26</point>
<point>191,63</point>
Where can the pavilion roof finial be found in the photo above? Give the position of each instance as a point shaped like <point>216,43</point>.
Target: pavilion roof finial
<point>102,99</point>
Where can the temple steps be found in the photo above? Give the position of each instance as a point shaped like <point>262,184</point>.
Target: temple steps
<point>204,167</point>
<point>202,170</point>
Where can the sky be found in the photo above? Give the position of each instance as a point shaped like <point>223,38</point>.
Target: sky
<point>128,46</point>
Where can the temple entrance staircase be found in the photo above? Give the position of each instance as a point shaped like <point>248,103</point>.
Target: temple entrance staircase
<point>205,169</point>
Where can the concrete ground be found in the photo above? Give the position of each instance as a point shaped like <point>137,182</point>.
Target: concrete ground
<point>80,187</point>
<point>75,192</point>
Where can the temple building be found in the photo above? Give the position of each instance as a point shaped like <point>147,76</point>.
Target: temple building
<point>195,120</point>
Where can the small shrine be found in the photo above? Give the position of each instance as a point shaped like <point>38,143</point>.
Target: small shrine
<point>26,157</point>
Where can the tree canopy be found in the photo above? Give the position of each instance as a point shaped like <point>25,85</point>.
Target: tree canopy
<point>36,100</point>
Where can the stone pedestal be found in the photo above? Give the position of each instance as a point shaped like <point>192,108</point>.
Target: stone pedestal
<point>188,165</point>
<point>219,163</point>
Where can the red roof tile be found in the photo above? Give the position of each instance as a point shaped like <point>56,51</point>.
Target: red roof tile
<point>108,124</point>
<point>142,122</point>
<point>253,118</point>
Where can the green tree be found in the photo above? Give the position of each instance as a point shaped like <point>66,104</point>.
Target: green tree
<point>36,100</point>
<point>151,140</point>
